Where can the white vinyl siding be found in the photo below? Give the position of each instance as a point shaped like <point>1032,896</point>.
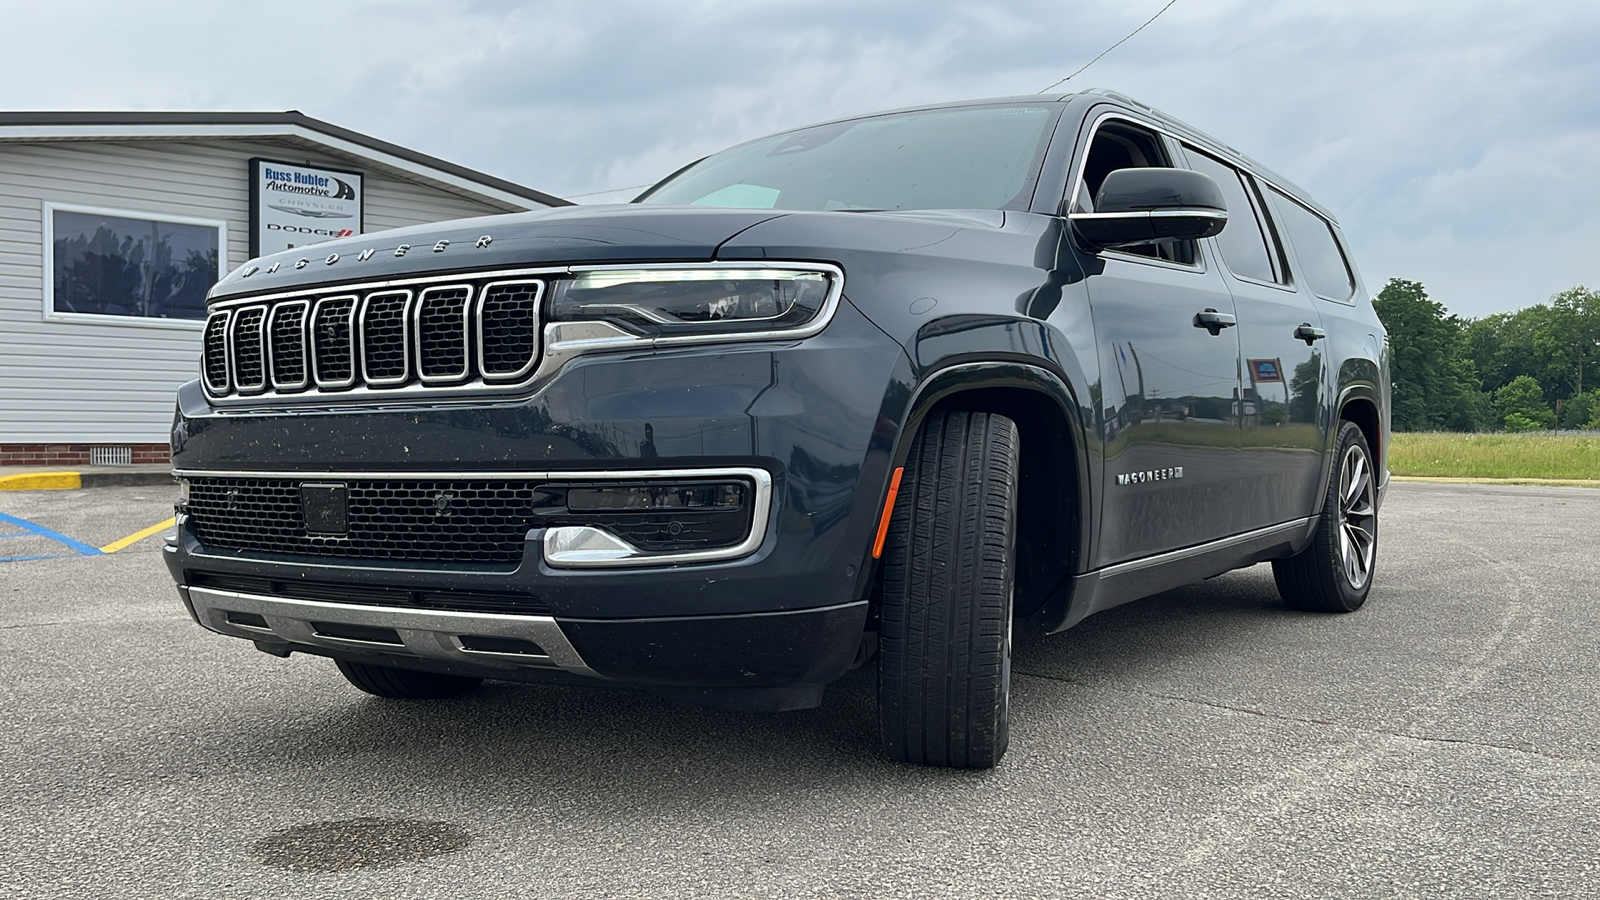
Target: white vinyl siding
<point>113,382</point>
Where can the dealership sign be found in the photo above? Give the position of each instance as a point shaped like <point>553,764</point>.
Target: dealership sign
<point>294,205</point>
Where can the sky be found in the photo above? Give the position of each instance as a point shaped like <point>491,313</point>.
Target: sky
<point>1457,141</point>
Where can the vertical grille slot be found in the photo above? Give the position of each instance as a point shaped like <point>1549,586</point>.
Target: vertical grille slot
<point>333,342</point>
<point>508,329</point>
<point>214,356</point>
<point>385,338</point>
<point>286,329</point>
<point>249,349</point>
<point>443,326</point>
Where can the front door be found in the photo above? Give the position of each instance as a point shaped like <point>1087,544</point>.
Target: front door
<point>1169,370</point>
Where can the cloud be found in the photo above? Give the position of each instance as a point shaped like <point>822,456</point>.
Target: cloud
<point>1454,141</point>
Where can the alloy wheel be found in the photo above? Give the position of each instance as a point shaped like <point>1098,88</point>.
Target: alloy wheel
<point>1358,517</point>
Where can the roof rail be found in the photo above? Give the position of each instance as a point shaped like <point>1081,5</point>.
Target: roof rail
<point>1158,114</point>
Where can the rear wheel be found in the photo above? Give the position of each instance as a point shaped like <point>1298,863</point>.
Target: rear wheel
<point>944,636</point>
<point>1334,574</point>
<point>404,684</point>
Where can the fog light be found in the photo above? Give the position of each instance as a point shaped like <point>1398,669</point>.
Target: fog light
<point>182,504</point>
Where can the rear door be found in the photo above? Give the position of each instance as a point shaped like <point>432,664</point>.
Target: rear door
<point>1284,425</point>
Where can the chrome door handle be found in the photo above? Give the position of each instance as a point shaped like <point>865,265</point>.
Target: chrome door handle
<point>1310,334</point>
<point>1214,321</point>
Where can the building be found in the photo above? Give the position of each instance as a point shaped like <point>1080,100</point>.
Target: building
<point>114,225</point>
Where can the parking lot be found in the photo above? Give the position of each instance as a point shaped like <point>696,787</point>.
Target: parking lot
<point>1443,741</point>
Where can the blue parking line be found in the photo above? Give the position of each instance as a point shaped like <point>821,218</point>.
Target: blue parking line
<point>42,531</point>
<point>26,558</point>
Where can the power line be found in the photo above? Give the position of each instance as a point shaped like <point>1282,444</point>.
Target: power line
<point>1113,46</point>
<point>631,187</point>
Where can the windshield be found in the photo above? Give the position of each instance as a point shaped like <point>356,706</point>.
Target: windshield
<point>975,157</point>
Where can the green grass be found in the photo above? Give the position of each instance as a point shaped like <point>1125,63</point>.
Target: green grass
<point>1443,454</point>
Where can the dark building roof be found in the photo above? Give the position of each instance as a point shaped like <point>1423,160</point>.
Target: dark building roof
<point>291,119</point>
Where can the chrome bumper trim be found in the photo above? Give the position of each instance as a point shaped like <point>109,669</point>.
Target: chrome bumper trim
<point>427,633</point>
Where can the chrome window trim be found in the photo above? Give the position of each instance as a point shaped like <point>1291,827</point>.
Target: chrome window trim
<point>498,378</point>
<point>466,333</point>
<point>305,348</point>
<point>227,353</point>
<point>316,369</point>
<point>405,338</point>
<point>233,334</point>
<point>760,514</point>
<point>560,343</point>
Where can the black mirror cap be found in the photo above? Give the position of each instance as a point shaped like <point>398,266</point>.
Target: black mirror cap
<point>1142,206</point>
<point>1136,190</point>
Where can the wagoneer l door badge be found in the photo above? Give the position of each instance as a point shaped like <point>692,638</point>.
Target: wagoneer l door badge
<point>1166,474</point>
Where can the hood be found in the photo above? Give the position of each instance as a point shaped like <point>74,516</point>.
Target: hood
<point>564,235</point>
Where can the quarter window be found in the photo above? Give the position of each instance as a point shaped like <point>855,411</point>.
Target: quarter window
<point>1321,261</point>
<point>130,264</point>
<point>1243,243</point>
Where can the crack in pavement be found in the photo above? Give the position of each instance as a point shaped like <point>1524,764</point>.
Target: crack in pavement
<point>1245,710</point>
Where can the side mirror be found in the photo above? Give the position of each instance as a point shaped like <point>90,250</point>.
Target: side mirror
<point>1142,206</point>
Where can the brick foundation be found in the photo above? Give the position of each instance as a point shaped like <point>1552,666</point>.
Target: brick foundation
<point>75,454</point>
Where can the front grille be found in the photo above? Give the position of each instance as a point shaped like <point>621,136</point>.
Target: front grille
<point>453,332</point>
<point>482,521</point>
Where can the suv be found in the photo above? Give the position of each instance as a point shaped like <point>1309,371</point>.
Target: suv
<point>862,392</point>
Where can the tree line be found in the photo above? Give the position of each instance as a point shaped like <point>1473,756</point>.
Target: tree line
<point>1536,368</point>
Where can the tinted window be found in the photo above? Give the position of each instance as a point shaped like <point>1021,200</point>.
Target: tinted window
<point>1243,245</point>
<point>1121,145</point>
<point>125,266</point>
<point>1321,260</point>
<point>968,158</point>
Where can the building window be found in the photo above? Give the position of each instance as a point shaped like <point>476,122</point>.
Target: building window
<point>128,264</point>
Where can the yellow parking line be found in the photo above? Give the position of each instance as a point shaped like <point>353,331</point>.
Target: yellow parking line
<point>138,536</point>
<point>41,481</point>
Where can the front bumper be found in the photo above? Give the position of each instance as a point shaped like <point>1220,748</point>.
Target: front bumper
<point>786,610</point>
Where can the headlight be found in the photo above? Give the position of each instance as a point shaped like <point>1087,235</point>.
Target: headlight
<point>696,301</point>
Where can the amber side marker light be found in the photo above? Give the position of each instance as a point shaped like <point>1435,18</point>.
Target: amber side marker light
<point>888,510</point>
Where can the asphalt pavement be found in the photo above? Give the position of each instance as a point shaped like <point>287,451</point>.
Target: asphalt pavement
<point>1443,741</point>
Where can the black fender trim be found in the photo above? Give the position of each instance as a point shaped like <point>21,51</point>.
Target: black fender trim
<point>958,378</point>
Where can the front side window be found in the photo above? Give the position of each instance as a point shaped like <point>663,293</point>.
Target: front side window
<point>1242,242</point>
<point>1321,260</point>
<point>131,265</point>
<point>982,157</point>
<point>1123,145</point>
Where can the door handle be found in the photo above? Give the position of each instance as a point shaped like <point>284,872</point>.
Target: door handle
<point>1310,334</point>
<point>1214,321</point>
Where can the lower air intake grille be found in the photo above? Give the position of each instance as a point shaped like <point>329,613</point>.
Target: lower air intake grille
<point>483,522</point>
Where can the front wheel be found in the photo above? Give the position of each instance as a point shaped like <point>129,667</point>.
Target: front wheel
<point>944,635</point>
<point>1334,574</point>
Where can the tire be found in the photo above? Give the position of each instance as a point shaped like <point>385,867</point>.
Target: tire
<point>944,635</point>
<point>1334,574</point>
<point>404,684</point>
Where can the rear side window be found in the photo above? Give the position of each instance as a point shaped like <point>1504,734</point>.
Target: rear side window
<point>1242,242</point>
<point>1326,271</point>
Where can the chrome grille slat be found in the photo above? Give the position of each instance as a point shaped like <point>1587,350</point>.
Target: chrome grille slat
<point>385,338</point>
<point>214,356</point>
<point>286,330</point>
<point>508,339</point>
<point>443,328</point>
<point>333,342</point>
<point>249,349</point>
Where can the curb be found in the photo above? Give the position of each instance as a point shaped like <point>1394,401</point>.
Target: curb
<point>68,480</point>
<point>1531,482</point>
